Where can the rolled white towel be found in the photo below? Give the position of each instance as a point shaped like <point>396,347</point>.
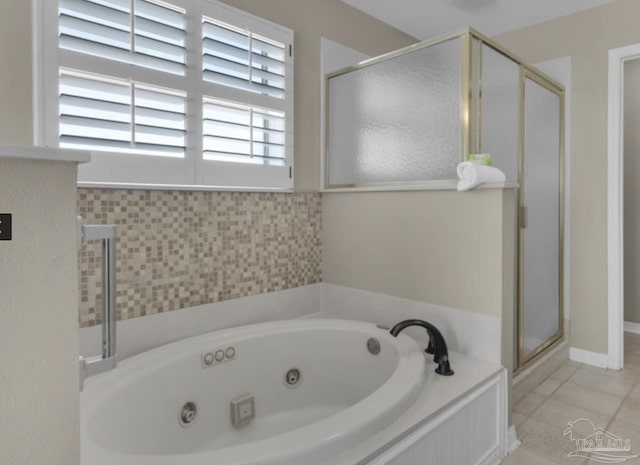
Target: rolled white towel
<point>472,175</point>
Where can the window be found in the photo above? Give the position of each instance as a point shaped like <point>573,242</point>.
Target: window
<point>184,92</point>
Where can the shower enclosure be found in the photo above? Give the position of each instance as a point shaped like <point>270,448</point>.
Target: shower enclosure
<point>409,117</point>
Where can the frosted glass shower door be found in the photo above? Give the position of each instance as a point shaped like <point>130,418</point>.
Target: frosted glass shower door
<point>397,119</point>
<point>540,260</point>
<point>500,117</point>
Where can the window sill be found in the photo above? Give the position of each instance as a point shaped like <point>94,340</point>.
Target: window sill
<point>27,152</point>
<point>427,186</point>
<point>178,187</point>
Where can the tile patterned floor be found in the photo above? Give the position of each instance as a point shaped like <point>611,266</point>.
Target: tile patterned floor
<point>610,399</point>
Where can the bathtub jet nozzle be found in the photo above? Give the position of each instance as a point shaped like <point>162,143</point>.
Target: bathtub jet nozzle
<point>437,344</point>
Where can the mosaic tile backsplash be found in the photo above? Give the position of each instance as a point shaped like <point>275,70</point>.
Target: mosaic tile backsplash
<point>177,249</point>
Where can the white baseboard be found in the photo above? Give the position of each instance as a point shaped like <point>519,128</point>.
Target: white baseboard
<point>512,440</point>
<point>590,358</point>
<point>632,327</point>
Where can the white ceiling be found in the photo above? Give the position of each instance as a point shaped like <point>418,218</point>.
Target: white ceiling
<point>425,19</point>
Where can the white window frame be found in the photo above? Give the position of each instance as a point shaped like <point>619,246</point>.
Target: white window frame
<point>108,169</point>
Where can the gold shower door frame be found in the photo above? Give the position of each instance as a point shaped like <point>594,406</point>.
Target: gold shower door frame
<point>471,42</point>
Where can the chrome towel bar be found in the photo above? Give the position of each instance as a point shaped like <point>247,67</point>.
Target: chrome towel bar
<point>108,359</point>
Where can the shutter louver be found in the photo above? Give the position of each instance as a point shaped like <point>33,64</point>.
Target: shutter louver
<point>94,113</point>
<point>235,58</point>
<point>160,121</point>
<point>160,37</point>
<point>96,28</point>
<point>242,134</point>
<point>98,114</point>
<point>103,28</point>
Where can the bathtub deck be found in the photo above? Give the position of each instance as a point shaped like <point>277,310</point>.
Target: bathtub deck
<point>441,393</point>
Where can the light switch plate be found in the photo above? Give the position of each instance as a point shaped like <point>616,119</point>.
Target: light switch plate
<point>5,226</point>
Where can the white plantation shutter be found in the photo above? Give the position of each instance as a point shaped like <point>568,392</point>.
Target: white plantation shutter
<point>160,120</point>
<point>158,105</point>
<point>160,37</point>
<point>103,28</point>
<point>239,133</point>
<point>118,116</point>
<point>98,28</point>
<point>240,59</point>
<point>122,112</point>
<point>247,100</point>
<point>94,112</point>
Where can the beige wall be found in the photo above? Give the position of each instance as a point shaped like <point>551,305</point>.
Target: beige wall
<point>440,247</point>
<point>38,315</point>
<point>587,38</point>
<point>446,248</point>
<point>310,20</point>
<point>632,191</point>
<point>15,72</point>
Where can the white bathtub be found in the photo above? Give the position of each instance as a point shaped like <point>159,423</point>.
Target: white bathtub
<point>131,415</point>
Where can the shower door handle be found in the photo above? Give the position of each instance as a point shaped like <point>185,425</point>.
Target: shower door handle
<point>523,217</point>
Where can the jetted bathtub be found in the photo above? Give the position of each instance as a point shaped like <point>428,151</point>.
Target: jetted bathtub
<point>316,387</point>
